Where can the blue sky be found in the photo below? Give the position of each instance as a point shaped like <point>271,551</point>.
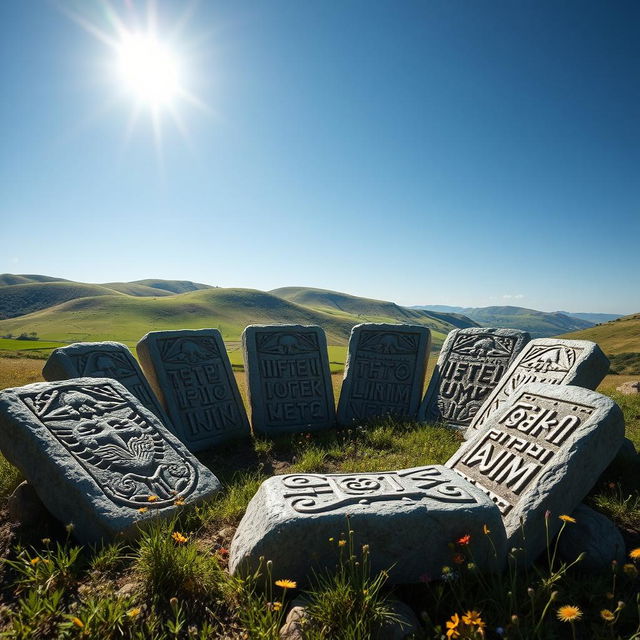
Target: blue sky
<point>433,152</point>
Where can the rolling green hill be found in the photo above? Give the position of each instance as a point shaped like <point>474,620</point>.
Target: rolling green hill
<point>173,286</point>
<point>24,278</point>
<point>135,289</point>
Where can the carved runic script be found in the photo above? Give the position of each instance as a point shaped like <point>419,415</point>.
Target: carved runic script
<point>313,493</point>
<point>129,459</point>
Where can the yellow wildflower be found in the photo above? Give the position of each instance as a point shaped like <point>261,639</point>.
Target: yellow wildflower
<point>452,626</point>
<point>565,518</point>
<point>341,543</point>
<point>77,622</point>
<point>34,561</point>
<point>486,530</point>
<point>143,509</point>
<point>276,606</point>
<point>634,554</point>
<point>607,615</point>
<point>178,502</point>
<point>286,584</point>
<point>132,613</point>
<point>152,498</point>
<point>569,613</point>
<point>473,618</point>
<point>178,537</point>
<point>630,570</point>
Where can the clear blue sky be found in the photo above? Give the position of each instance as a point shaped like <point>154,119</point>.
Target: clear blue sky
<point>427,152</point>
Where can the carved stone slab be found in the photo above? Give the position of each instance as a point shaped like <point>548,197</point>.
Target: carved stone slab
<point>408,517</point>
<point>543,449</point>
<point>549,360</point>
<point>384,373</point>
<point>96,457</point>
<point>470,365</point>
<point>288,378</point>
<point>104,360</point>
<point>191,374</point>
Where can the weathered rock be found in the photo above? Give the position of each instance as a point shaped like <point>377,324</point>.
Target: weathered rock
<point>296,621</point>
<point>629,388</point>
<point>104,360</point>
<point>594,534</point>
<point>384,373</point>
<point>471,363</point>
<point>405,625</point>
<point>25,507</point>
<point>288,378</point>
<point>549,360</point>
<point>408,517</point>
<point>97,458</point>
<point>543,449</point>
<point>191,374</point>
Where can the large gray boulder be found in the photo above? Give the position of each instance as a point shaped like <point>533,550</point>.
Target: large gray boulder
<point>97,458</point>
<point>541,451</point>
<point>407,517</point>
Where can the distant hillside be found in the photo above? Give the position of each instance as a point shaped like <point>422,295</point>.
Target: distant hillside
<point>11,278</point>
<point>135,289</point>
<point>595,318</point>
<point>174,286</point>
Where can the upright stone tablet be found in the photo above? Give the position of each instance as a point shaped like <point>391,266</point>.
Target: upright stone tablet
<point>542,449</point>
<point>384,373</point>
<point>288,378</point>
<point>191,373</point>
<point>97,458</point>
<point>103,360</point>
<point>470,365</point>
<point>549,360</point>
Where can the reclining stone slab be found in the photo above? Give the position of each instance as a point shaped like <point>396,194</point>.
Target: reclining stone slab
<point>288,378</point>
<point>97,458</point>
<point>191,373</point>
<point>470,365</point>
<point>103,360</point>
<point>408,517</point>
<point>384,373</point>
<point>548,360</point>
<point>543,449</point>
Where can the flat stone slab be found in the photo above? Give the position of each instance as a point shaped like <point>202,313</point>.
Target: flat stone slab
<point>104,360</point>
<point>288,378</point>
<point>549,360</point>
<point>97,458</point>
<point>543,449</point>
<point>384,372</point>
<point>191,374</point>
<point>408,517</point>
<point>470,365</point>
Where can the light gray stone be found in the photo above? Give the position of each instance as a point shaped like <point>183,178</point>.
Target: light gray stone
<point>543,449</point>
<point>191,374</point>
<point>104,360</point>
<point>596,536</point>
<point>629,388</point>
<point>296,621</point>
<point>408,517</point>
<point>97,458</point>
<point>384,373</point>
<point>470,365</point>
<point>549,360</point>
<point>288,378</point>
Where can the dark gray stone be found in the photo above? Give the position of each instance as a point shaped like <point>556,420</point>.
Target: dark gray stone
<point>25,507</point>
<point>97,458</point>
<point>384,372</point>
<point>408,517</point>
<point>543,449</point>
<point>549,360</point>
<point>191,374</point>
<point>470,365</point>
<point>104,360</point>
<point>288,378</point>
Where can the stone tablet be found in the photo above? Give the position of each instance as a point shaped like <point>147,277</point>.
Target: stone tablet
<point>104,360</point>
<point>97,458</point>
<point>191,373</point>
<point>470,365</point>
<point>543,449</point>
<point>549,360</point>
<point>384,373</point>
<point>408,517</point>
<point>288,378</point>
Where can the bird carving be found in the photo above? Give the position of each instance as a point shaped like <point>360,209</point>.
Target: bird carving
<point>138,454</point>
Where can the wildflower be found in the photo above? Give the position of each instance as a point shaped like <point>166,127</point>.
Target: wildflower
<point>77,622</point>
<point>173,601</point>
<point>515,620</point>
<point>500,631</point>
<point>365,548</point>
<point>143,509</point>
<point>178,502</point>
<point>607,615</point>
<point>464,540</point>
<point>612,485</point>
<point>569,613</point>
<point>446,570</point>
<point>34,561</point>
<point>152,498</point>
<point>132,613</point>
<point>286,584</point>
<point>609,595</point>
<point>458,558</point>
<point>330,539</point>
<point>473,618</point>
<point>547,514</point>
<point>566,518</point>
<point>223,552</point>
<point>630,570</point>
<point>46,541</point>
<point>178,537</point>
<point>634,554</point>
<point>276,606</point>
<point>341,543</point>
<point>365,592</point>
<point>70,527</point>
<point>472,566</point>
<point>452,626</point>
<point>486,530</point>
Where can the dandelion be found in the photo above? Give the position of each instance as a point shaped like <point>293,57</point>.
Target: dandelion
<point>569,613</point>
<point>178,537</point>
<point>566,518</point>
<point>486,530</point>
<point>630,570</point>
<point>464,540</point>
<point>286,584</point>
<point>77,622</point>
<point>34,561</point>
<point>634,554</point>
<point>452,626</point>
<point>607,615</point>
<point>152,498</point>
<point>143,509</point>
<point>132,613</point>
<point>341,543</point>
<point>473,618</point>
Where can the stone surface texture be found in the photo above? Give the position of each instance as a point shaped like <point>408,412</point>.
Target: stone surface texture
<point>629,388</point>
<point>384,373</point>
<point>407,517</point>
<point>97,458</point>
<point>470,365</point>
<point>543,449</point>
<point>594,534</point>
<point>288,378</point>
<point>104,360</point>
<point>191,374</point>
<point>25,507</point>
<point>549,360</point>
